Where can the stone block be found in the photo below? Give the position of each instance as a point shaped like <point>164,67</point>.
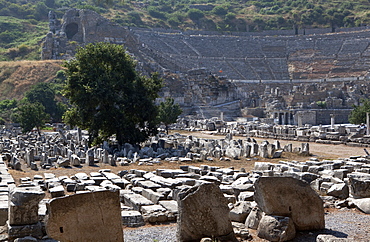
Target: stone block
<point>170,206</point>
<point>57,191</point>
<point>20,231</point>
<point>132,218</point>
<point>23,205</point>
<point>136,201</point>
<point>90,216</point>
<point>203,212</point>
<point>284,196</point>
<point>276,228</point>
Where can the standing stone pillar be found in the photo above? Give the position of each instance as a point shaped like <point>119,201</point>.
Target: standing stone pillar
<point>299,120</point>
<point>283,119</point>
<point>332,120</point>
<point>222,116</point>
<point>368,123</point>
<point>90,157</point>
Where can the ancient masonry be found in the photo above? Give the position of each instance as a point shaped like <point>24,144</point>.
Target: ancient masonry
<point>273,74</point>
<point>277,199</point>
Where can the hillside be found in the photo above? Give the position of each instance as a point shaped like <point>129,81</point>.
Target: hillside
<point>16,77</point>
<point>24,23</point>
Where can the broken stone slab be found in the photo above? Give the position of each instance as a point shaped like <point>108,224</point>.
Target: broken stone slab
<point>245,196</point>
<point>332,238</point>
<point>20,231</point>
<point>132,218</point>
<point>363,204</point>
<point>57,191</point>
<point>339,190</point>
<point>170,206</point>
<point>152,195</point>
<point>90,216</point>
<point>23,205</point>
<point>359,185</point>
<point>276,228</point>
<point>240,211</point>
<point>203,212</point>
<point>286,196</point>
<point>136,201</point>
<point>152,209</point>
<point>254,218</point>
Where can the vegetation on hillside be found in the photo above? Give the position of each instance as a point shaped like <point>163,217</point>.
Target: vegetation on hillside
<point>24,23</point>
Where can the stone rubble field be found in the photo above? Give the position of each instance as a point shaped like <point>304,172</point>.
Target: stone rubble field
<point>277,200</point>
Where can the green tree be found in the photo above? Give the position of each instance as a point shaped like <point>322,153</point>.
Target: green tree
<point>31,115</point>
<point>195,14</point>
<point>168,112</point>
<point>109,97</point>
<point>44,93</point>
<point>358,114</point>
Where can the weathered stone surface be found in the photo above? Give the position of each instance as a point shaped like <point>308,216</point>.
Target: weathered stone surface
<point>81,217</point>
<point>339,190</point>
<point>276,228</point>
<point>362,204</point>
<point>332,238</point>
<point>203,212</point>
<point>20,231</point>
<point>359,186</point>
<point>23,205</point>
<point>240,211</point>
<point>254,218</point>
<point>286,196</point>
<point>132,218</point>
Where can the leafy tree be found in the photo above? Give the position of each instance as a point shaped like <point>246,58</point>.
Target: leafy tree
<point>32,115</point>
<point>168,112</point>
<point>195,14</point>
<point>44,94</point>
<point>358,114</point>
<point>109,97</point>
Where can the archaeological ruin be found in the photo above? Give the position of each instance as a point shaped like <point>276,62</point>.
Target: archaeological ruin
<point>277,75</point>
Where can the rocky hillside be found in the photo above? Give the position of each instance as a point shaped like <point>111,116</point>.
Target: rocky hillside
<point>16,77</point>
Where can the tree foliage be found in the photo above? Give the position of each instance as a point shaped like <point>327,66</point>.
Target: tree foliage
<point>358,114</point>
<point>31,115</point>
<point>108,96</point>
<point>168,112</point>
<point>44,94</point>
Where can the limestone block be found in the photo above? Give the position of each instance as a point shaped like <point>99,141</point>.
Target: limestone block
<point>136,201</point>
<point>91,216</point>
<point>170,206</point>
<point>339,190</point>
<point>152,195</point>
<point>132,218</point>
<point>276,228</point>
<point>253,218</point>
<point>363,204</point>
<point>152,209</point>
<point>3,211</point>
<point>359,187</point>
<point>23,205</point>
<point>245,196</point>
<point>20,231</point>
<point>57,191</point>
<point>203,212</point>
<point>240,211</point>
<point>286,196</point>
<point>332,238</point>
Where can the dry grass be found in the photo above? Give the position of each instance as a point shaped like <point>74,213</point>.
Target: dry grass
<point>16,77</point>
